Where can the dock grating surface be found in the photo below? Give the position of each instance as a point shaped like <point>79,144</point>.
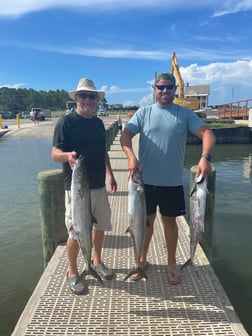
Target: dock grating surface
<point>197,306</point>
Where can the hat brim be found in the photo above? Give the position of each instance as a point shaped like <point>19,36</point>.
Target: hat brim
<point>72,94</point>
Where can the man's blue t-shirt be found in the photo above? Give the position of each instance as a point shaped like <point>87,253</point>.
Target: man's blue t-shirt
<point>163,134</point>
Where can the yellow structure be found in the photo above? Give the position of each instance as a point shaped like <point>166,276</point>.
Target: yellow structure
<point>191,103</point>
<point>18,120</point>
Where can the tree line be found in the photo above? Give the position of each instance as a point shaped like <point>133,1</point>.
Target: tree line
<point>20,100</point>
<point>23,100</point>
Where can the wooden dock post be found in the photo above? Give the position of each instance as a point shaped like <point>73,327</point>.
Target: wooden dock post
<point>52,210</point>
<point>207,235</point>
<point>111,133</point>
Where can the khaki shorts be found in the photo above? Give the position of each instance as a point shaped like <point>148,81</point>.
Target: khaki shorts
<point>100,210</point>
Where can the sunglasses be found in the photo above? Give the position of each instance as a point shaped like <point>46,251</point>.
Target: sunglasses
<point>85,95</point>
<point>168,87</point>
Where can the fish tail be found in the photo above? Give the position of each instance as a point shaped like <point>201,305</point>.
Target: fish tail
<point>187,263</point>
<point>137,270</point>
<point>91,272</point>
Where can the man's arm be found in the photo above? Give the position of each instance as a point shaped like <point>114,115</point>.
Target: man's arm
<point>111,179</point>
<point>59,155</point>
<point>208,142</point>
<point>126,143</point>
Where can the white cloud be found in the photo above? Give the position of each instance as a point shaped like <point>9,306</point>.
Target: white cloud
<point>231,7</point>
<point>157,55</point>
<point>146,100</point>
<point>127,103</point>
<point>226,73</point>
<point>16,8</point>
<point>225,80</point>
<point>13,86</point>
<point>116,89</point>
<point>222,78</point>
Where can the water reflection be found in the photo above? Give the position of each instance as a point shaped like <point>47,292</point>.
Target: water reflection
<point>247,168</point>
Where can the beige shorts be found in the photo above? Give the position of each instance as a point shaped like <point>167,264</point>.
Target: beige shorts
<point>100,210</point>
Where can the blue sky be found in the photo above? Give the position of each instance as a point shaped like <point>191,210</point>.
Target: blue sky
<point>51,44</point>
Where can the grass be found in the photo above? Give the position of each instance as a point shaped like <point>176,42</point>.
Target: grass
<point>224,125</point>
<point>57,114</point>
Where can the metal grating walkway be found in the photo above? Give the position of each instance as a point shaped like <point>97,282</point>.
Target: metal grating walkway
<point>197,306</point>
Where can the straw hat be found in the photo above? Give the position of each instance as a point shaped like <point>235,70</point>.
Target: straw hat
<point>86,84</point>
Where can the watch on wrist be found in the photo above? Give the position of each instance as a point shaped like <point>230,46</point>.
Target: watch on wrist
<point>207,156</point>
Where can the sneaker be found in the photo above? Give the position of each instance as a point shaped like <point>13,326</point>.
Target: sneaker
<point>77,287</point>
<point>104,272</point>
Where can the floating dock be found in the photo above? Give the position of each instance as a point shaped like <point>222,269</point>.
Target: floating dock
<point>197,306</point>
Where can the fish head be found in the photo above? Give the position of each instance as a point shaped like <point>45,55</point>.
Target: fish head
<point>137,177</point>
<point>136,182</point>
<point>199,179</point>
<point>200,183</point>
<point>79,162</point>
<point>80,170</point>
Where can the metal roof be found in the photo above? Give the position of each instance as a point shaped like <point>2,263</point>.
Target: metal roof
<point>197,90</point>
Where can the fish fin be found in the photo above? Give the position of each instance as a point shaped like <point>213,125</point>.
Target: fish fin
<point>193,190</point>
<point>137,270</point>
<point>92,272</point>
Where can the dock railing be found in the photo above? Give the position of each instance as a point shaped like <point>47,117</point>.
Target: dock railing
<point>235,110</point>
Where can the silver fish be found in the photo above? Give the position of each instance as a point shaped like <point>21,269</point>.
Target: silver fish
<point>82,219</point>
<point>197,215</point>
<point>137,219</point>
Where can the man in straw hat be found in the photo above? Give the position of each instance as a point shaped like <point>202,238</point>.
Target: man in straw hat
<point>81,132</point>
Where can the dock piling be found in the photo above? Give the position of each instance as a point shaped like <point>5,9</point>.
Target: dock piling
<point>52,211</point>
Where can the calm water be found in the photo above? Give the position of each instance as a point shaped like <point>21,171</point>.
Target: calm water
<point>21,262</point>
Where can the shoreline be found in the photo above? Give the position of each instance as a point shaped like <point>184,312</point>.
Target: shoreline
<point>232,134</point>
